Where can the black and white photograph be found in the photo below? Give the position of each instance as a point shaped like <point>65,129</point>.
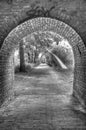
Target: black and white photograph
<point>42,64</point>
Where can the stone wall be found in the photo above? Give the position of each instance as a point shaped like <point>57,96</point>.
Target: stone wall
<point>71,12</point>
<point>43,24</point>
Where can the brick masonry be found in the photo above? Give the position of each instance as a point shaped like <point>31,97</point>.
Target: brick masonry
<point>42,24</point>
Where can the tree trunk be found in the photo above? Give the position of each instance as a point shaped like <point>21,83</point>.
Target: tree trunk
<point>21,53</point>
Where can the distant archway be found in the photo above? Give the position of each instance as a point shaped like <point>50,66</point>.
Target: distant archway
<point>42,24</point>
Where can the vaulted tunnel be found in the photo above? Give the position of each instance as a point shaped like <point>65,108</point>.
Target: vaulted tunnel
<point>42,24</point>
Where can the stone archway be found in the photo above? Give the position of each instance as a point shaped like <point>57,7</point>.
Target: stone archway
<point>42,24</point>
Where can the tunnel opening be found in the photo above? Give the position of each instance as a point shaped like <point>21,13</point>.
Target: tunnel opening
<point>39,55</point>
<point>63,37</point>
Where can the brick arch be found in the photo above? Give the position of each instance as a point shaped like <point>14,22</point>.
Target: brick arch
<point>42,24</point>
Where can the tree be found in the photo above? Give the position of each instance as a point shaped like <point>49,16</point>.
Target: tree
<point>21,53</point>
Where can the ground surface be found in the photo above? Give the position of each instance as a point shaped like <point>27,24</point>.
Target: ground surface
<point>42,102</point>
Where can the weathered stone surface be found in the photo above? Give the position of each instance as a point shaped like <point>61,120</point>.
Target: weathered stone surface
<point>71,12</point>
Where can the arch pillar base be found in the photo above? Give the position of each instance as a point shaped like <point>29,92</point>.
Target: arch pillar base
<point>77,103</point>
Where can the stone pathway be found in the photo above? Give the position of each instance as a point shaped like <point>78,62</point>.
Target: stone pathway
<point>42,102</point>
